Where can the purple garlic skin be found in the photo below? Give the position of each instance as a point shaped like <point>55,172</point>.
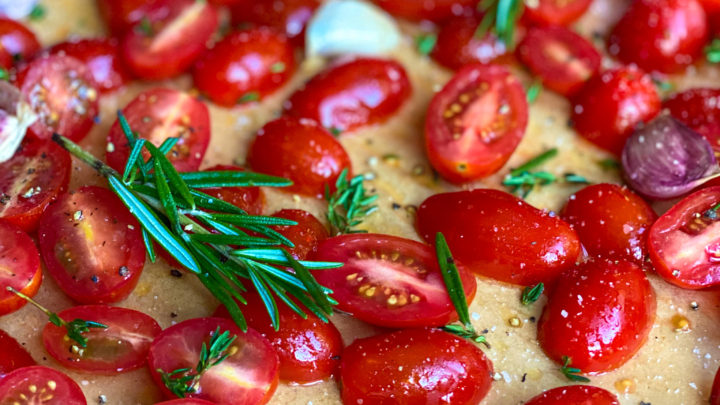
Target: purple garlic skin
<point>15,118</point>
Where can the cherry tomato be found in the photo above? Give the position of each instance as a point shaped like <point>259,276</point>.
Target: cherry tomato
<point>683,242</point>
<point>186,401</point>
<point>414,366</point>
<point>562,59</point>
<point>555,12</point>
<point>458,44</point>
<point>306,235</point>
<point>433,10</point>
<point>309,349</point>
<point>246,64</point>
<point>61,91</point>
<point>19,267</point>
<point>92,246</point>
<point>14,355</point>
<point>699,109</point>
<point>287,16</point>
<point>598,314</point>
<point>121,347</point>
<point>715,393</point>
<point>40,385</point>
<point>475,122</point>
<point>167,45</point>
<point>31,180</point>
<point>662,35</point>
<point>389,281</point>
<point>101,56</point>
<point>575,395</point>
<point>248,376</point>
<point>17,42</point>
<point>300,150</point>
<point>610,105</point>
<point>248,199</point>
<point>352,95</point>
<point>611,221</point>
<point>159,114</point>
<point>121,15</point>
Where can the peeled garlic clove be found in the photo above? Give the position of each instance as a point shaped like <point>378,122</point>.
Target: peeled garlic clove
<point>16,116</point>
<point>17,9</point>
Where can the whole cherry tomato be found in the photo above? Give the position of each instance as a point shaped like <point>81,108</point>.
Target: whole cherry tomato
<point>20,265</point>
<point>575,395</point>
<point>433,10</point>
<point>287,16</point>
<point>306,235</point>
<point>101,56</point>
<point>248,199</point>
<point>17,42</point>
<point>458,44</point>
<point>121,15</point>
<point>38,385</point>
<point>14,355</point>
<point>699,109</point>
<point>554,12</point>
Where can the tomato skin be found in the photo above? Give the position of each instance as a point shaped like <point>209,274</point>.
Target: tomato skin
<point>352,95</point>
<point>495,234</point>
<point>673,34</point>
<point>19,265</point>
<point>15,387</point>
<point>606,326</point>
<point>575,395</point>
<point>457,44</point>
<point>414,366</point>
<point>14,355</point>
<point>476,141</point>
<point>92,246</point>
<point>433,10</point>
<point>306,235</point>
<point>101,56</point>
<point>610,105</point>
<point>715,393</point>
<point>16,39</point>
<point>389,281</point>
<point>699,109</point>
<point>554,12</point>
<point>243,63</point>
<point>287,16</point>
<point>299,150</point>
<point>611,221</point>
<point>121,15</point>
<point>37,165</point>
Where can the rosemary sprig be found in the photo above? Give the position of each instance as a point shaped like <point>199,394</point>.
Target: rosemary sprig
<point>532,294</point>
<point>500,16</point>
<point>712,51</point>
<point>571,373</point>
<point>74,329</point>
<point>522,180</point>
<point>349,204</point>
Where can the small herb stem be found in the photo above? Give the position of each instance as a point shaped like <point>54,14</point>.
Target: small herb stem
<point>535,162</point>
<point>34,303</point>
<point>75,150</point>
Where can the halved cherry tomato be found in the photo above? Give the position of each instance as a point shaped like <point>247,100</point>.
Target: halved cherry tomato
<point>699,109</point>
<point>19,267</point>
<point>39,385</point>
<point>17,42</point>
<point>248,199</point>
<point>458,44</point>
<point>248,376</point>
<point>167,45</point>
<point>575,395</point>
<point>563,59</point>
<point>610,105</point>
<point>254,62</point>
<point>414,366</point>
<point>497,235</point>
<point>101,56</point>
<point>598,314</point>
<point>32,179</point>
<point>61,91</point>
<point>475,122</point>
<point>286,16</point>
<point>14,356</point>
<point>121,15</point>
<point>306,235</point>
<point>433,10</point>
<point>715,393</point>
<point>352,95</point>
<point>555,12</point>
<point>684,244</point>
<point>186,401</point>
<point>121,347</point>
<point>159,114</point>
<point>300,150</point>
<point>309,349</point>
<point>611,221</point>
<point>389,281</point>
<point>92,246</point>
<point>662,35</point>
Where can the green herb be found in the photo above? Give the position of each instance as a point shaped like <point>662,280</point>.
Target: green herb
<point>425,43</point>
<point>37,12</point>
<point>609,163</point>
<point>335,131</point>
<point>500,16</point>
<point>145,27</point>
<point>249,97</point>
<point>4,74</point>
<point>574,178</point>
<point>534,91</point>
<point>662,85</point>
<point>521,181</point>
<point>571,373</point>
<point>459,330</point>
<point>712,51</point>
<point>75,328</point>
<point>184,381</point>
<point>532,294</point>
<point>349,204</point>
<point>277,67</point>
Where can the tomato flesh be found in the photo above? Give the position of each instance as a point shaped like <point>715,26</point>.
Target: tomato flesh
<point>17,42</point>
<point>14,355</point>
<point>575,395</point>
<point>555,12</point>
<point>287,16</point>
<point>19,267</point>
<point>458,44</point>
<point>306,235</point>
<point>39,385</point>
<point>101,56</point>
<point>699,109</point>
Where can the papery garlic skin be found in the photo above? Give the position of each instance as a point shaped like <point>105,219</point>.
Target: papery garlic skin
<point>16,116</point>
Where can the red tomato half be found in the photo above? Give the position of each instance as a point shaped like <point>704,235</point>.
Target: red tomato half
<point>306,235</point>
<point>40,385</point>
<point>433,10</point>
<point>248,199</point>
<point>92,246</point>
<point>497,235</point>
<point>32,179</point>
<point>19,267</point>
<point>555,12</point>
<point>715,393</point>
<point>102,58</point>
<point>699,109</point>
<point>475,122</point>
<point>352,95</point>
<point>17,42</point>
<point>248,376</point>
<point>14,355</point>
<point>458,44</point>
<point>599,315</point>
<point>159,114</point>
<point>121,347</point>
<point>389,281</point>
<point>414,366</point>
<point>575,395</point>
<point>287,16</point>
<point>121,15</point>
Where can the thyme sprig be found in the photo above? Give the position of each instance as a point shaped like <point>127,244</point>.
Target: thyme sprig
<point>571,373</point>
<point>531,294</point>
<point>712,51</point>
<point>500,16</point>
<point>349,204</point>
<point>522,180</point>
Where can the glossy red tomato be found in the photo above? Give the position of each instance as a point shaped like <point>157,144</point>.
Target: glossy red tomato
<point>699,109</point>
<point>33,178</point>
<point>245,64</point>
<point>92,246</point>
<point>352,95</point>
<point>610,105</point>
<point>248,376</point>
<point>414,366</point>
<point>599,314</point>
<point>38,385</point>
<point>248,199</point>
<point>497,235</point>
<point>475,122</point>
<point>458,44</point>
<point>19,267</point>
<point>309,349</point>
<point>575,395</point>
<point>121,15</point>
<point>562,59</point>
<point>61,91</point>
<point>715,393</point>
<point>389,281</point>
<point>121,347</point>
<point>299,150</point>
<point>167,45</point>
<point>17,42</point>
<point>434,10</point>
<point>14,355</point>
<point>159,114</point>
<point>306,235</point>
<point>287,16</point>
<point>555,12</point>
<point>611,221</point>
<point>101,56</point>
